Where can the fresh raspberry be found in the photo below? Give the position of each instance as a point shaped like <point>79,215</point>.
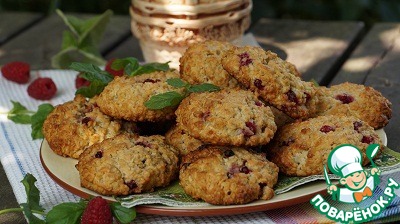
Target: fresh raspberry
<point>97,211</point>
<point>16,71</point>
<point>80,82</point>
<point>112,71</point>
<point>42,89</point>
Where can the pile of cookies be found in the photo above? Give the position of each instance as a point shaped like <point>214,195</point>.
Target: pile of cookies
<point>225,147</point>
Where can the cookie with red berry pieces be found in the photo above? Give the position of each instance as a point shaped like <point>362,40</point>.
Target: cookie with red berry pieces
<point>227,117</point>
<point>181,140</point>
<point>227,175</point>
<point>16,71</point>
<point>302,148</point>
<point>124,97</point>
<point>201,63</point>
<point>356,100</point>
<point>273,79</point>
<point>128,164</point>
<point>73,126</point>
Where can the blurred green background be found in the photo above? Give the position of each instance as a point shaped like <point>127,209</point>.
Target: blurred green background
<point>369,11</point>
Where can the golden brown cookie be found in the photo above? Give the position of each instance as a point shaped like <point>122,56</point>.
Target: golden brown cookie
<point>128,164</point>
<point>77,124</point>
<point>178,138</point>
<point>124,97</point>
<point>201,63</point>
<point>227,117</point>
<point>302,148</point>
<point>356,100</point>
<point>227,176</point>
<point>273,79</point>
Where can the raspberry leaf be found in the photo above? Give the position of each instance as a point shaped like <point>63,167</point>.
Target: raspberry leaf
<point>68,212</point>
<point>122,214</point>
<point>163,100</point>
<point>19,114</point>
<point>38,119</point>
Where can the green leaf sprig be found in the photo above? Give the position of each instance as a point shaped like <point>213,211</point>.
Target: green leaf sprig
<point>98,78</point>
<point>67,212</point>
<point>173,98</point>
<point>20,115</point>
<point>132,66</point>
<point>81,42</point>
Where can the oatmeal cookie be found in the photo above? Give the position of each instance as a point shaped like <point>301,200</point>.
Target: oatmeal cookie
<point>274,79</point>
<point>128,164</point>
<point>77,124</point>
<point>227,117</point>
<point>356,100</point>
<point>178,138</point>
<point>302,148</point>
<point>124,97</point>
<point>227,176</point>
<point>201,63</point>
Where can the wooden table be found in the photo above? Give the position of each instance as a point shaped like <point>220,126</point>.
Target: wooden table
<point>328,52</point>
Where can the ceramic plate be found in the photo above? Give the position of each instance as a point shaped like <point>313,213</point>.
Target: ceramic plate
<point>62,170</point>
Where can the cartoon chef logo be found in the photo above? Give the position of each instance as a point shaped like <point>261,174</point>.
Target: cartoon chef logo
<point>346,162</point>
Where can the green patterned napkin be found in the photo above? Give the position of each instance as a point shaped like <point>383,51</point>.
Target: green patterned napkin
<point>174,195</point>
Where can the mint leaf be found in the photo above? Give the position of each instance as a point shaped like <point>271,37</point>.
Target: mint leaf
<point>92,90</point>
<point>81,42</point>
<point>98,79</point>
<point>68,212</point>
<point>160,101</point>
<point>205,87</point>
<point>38,119</point>
<point>151,67</point>
<point>32,219</point>
<point>68,40</point>
<point>172,99</point>
<point>128,64</point>
<point>32,192</point>
<point>19,114</point>
<point>91,72</point>
<point>177,83</point>
<point>132,67</point>
<point>122,214</point>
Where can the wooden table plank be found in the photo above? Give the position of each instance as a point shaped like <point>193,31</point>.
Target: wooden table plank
<point>316,48</point>
<point>46,37</point>
<point>375,63</point>
<point>12,23</point>
<point>368,54</point>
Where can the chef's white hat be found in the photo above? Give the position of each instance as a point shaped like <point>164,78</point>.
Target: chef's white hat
<point>345,160</point>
